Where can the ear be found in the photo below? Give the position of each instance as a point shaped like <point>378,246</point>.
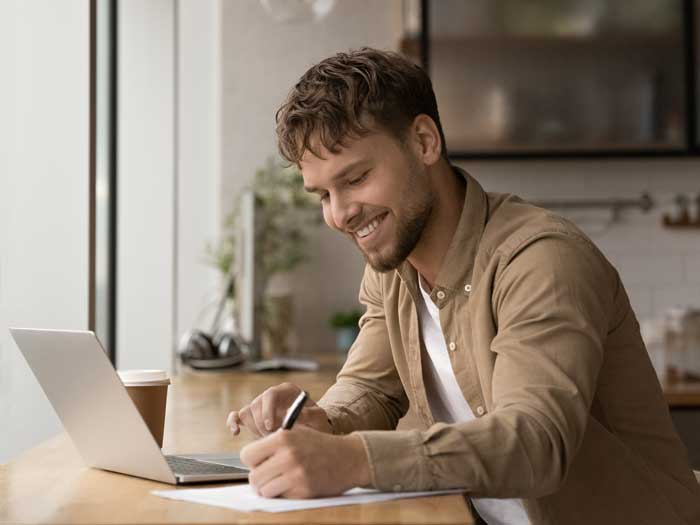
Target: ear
<point>426,138</point>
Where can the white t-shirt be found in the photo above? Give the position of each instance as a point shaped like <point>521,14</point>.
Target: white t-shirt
<point>448,405</point>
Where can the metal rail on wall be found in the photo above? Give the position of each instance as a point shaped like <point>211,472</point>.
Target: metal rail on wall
<point>616,206</point>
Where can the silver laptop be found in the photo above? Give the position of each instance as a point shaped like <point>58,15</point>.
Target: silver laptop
<point>99,416</point>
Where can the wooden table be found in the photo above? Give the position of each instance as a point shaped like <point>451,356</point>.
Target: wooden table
<point>50,484</point>
<point>682,394</point>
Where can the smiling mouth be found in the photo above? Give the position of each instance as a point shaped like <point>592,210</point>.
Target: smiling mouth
<point>371,227</point>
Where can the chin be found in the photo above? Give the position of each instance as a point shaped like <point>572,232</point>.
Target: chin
<point>383,264</point>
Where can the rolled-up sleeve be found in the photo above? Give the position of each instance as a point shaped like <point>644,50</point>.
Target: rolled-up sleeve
<point>551,301</point>
<point>368,393</point>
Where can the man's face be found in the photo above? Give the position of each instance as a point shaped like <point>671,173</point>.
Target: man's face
<point>377,192</point>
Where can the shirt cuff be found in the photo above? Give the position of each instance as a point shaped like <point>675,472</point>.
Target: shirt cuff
<point>397,460</point>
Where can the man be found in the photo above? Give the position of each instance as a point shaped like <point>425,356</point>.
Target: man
<point>500,323</point>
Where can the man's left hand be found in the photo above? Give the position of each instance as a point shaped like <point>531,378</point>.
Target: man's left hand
<point>305,463</point>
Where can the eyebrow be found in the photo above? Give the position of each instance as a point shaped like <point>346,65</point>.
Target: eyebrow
<point>342,173</point>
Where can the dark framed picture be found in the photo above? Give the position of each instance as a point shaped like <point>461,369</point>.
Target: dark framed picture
<point>561,77</point>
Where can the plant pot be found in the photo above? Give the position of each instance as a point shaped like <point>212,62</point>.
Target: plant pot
<point>345,337</point>
<point>278,316</point>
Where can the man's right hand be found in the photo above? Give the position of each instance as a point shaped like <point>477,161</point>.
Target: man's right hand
<point>265,413</point>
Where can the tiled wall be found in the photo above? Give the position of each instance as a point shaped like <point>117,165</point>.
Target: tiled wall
<point>659,267</point>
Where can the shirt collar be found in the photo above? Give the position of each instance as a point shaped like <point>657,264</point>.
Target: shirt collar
<point>456,271</point>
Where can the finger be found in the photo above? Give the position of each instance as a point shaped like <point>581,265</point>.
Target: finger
<point>267,409</point>
<point>236,426</point>
<point>272,467</point>
<point>276,486</point>
<point>275,401</point>
<point>233,422</point>
<point>256,452</point>
<point>246,419</point>
<point>256,412</point>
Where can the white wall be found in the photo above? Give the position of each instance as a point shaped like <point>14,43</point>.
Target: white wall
<point>169,173</point>
<point>199,157</point>
<point>262,60</point>
<point>44,190</point>
<point>146,183</point>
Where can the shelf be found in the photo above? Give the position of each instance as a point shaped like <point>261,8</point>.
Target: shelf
<point>586,41</point>
<point>682,394</point>
<point>512,147</point>
<point>693,226</point>
<point>627,43</point>
<point>622,75</point>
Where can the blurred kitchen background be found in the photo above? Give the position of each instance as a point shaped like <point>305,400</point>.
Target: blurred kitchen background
<point>589,107</point>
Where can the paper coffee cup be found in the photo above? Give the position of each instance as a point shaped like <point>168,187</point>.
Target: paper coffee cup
<point>148,390</point>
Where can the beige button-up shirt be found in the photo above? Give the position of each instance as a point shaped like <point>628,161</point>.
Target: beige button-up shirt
<point>546,349</point>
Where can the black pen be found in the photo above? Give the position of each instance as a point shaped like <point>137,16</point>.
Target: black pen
<point>294,410</point>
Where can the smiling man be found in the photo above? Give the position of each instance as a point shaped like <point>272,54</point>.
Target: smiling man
<point>500,323</point>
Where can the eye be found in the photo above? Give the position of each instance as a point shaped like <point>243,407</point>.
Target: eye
<point>323,196</point>
<point>358,180</point>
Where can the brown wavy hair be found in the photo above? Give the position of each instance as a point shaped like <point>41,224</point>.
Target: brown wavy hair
<point>347,96</point>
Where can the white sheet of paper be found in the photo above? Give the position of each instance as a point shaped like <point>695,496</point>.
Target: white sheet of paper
<point>243,498</point>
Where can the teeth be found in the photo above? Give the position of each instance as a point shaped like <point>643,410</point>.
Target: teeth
<point>364,232</point>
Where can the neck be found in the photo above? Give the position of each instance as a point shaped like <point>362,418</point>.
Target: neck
<point>450,191</point>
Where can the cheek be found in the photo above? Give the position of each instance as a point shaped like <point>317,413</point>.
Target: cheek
<point>327,217</point>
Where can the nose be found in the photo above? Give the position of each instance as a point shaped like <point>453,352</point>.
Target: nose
<point>343,213</point>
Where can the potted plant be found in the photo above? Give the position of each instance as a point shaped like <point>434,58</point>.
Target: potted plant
<point>286,214</point>
<point>345,323</point>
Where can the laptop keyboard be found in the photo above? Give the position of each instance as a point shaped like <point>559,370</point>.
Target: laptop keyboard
<point>181,465</point>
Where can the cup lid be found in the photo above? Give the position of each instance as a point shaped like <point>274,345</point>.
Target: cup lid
<point>144,376</point>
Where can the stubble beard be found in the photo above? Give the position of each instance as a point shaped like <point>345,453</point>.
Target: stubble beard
<point>409,225</point>
<point>408,233</point>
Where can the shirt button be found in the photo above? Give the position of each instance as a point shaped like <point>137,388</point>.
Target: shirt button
<point>452,346</point>
<point>397,488</point>
<point>440,294</point>
<point>468,288</point>
<point>480,410</point>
